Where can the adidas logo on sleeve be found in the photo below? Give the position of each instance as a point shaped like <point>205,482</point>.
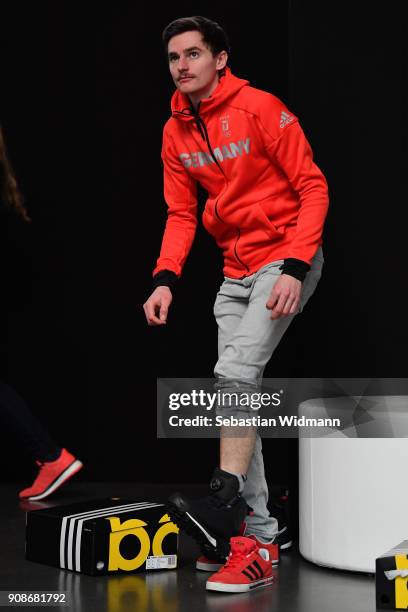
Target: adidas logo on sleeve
<point>285,119</point>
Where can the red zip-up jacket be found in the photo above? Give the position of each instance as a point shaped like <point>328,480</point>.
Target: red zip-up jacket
<point>267,199</point>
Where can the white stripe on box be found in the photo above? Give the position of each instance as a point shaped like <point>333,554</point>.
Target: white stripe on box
<point>68,518</point>
<point>97,514</point>
<point>79,532</point>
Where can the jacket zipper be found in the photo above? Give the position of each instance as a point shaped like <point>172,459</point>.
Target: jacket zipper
<point>235,250</point>
<point>202,128</point>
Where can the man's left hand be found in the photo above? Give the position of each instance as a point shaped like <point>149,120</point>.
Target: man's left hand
<point>285,296</point>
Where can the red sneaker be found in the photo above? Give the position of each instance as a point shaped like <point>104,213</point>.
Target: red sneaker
<point>51,476</point>
<point>211,565</point>
<point>272,547</point>
<point>248,567</point>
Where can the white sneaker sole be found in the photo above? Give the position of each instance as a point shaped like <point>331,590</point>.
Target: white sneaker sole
<point>67,473</point>
<point>238,588</point>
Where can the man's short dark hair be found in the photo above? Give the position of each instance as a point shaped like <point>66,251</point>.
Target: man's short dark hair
<point>213,34</point>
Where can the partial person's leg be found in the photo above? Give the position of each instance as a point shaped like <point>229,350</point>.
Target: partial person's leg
<point>56,464</point>
<point>18,419</point>
<point>215,518</point>
<point>229,308</point>
<point>245,355</point>
<point>244,454</point>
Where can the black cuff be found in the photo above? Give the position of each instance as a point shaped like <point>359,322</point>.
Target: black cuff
<point>165,278</point>
<point>295,267</point>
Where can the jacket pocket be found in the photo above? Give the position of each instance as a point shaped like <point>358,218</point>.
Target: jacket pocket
<point>266,223</point>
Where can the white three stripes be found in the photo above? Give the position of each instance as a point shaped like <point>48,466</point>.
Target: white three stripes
<point>70,521</point>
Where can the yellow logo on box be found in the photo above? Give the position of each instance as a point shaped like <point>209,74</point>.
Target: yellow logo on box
<point>135,527</point>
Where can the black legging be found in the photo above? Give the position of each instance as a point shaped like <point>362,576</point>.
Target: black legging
<point>17,418</point>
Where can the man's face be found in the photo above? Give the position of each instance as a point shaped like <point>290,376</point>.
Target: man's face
<point>192,65</point>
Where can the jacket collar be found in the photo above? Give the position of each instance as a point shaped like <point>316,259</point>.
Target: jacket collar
<point>227,87</point>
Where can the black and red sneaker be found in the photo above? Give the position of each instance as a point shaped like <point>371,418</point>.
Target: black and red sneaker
<point>212,520</point>
<point>205,564</point>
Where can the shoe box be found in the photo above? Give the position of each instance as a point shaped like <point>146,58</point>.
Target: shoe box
<point>391,578</point>
<point>103,536</point>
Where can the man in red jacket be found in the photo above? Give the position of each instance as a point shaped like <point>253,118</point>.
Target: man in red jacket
<point>266,207</point>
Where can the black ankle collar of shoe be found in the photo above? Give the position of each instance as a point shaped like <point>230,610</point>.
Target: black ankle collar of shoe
<point>224,486</point>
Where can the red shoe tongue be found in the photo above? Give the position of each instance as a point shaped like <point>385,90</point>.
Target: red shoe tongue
<point>242,545</point>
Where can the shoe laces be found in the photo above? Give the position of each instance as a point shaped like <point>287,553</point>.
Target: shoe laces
<point>235,559</point>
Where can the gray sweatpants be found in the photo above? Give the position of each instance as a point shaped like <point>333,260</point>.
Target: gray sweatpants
<point>247,338</point>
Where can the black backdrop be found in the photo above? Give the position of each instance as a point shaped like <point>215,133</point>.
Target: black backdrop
<point>85,94</point>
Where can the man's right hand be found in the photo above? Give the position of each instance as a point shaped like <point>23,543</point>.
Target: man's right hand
<point>157,306</point>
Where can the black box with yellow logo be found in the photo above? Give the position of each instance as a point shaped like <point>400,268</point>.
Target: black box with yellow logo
<point>391,578</point>
<point>105,536</point>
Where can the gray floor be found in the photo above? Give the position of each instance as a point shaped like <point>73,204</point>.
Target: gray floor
<point>298,585</point>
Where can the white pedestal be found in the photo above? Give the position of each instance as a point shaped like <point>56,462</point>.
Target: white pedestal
<point>353,491</point>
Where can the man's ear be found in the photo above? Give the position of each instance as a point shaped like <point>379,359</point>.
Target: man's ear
<point>222,60</point>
